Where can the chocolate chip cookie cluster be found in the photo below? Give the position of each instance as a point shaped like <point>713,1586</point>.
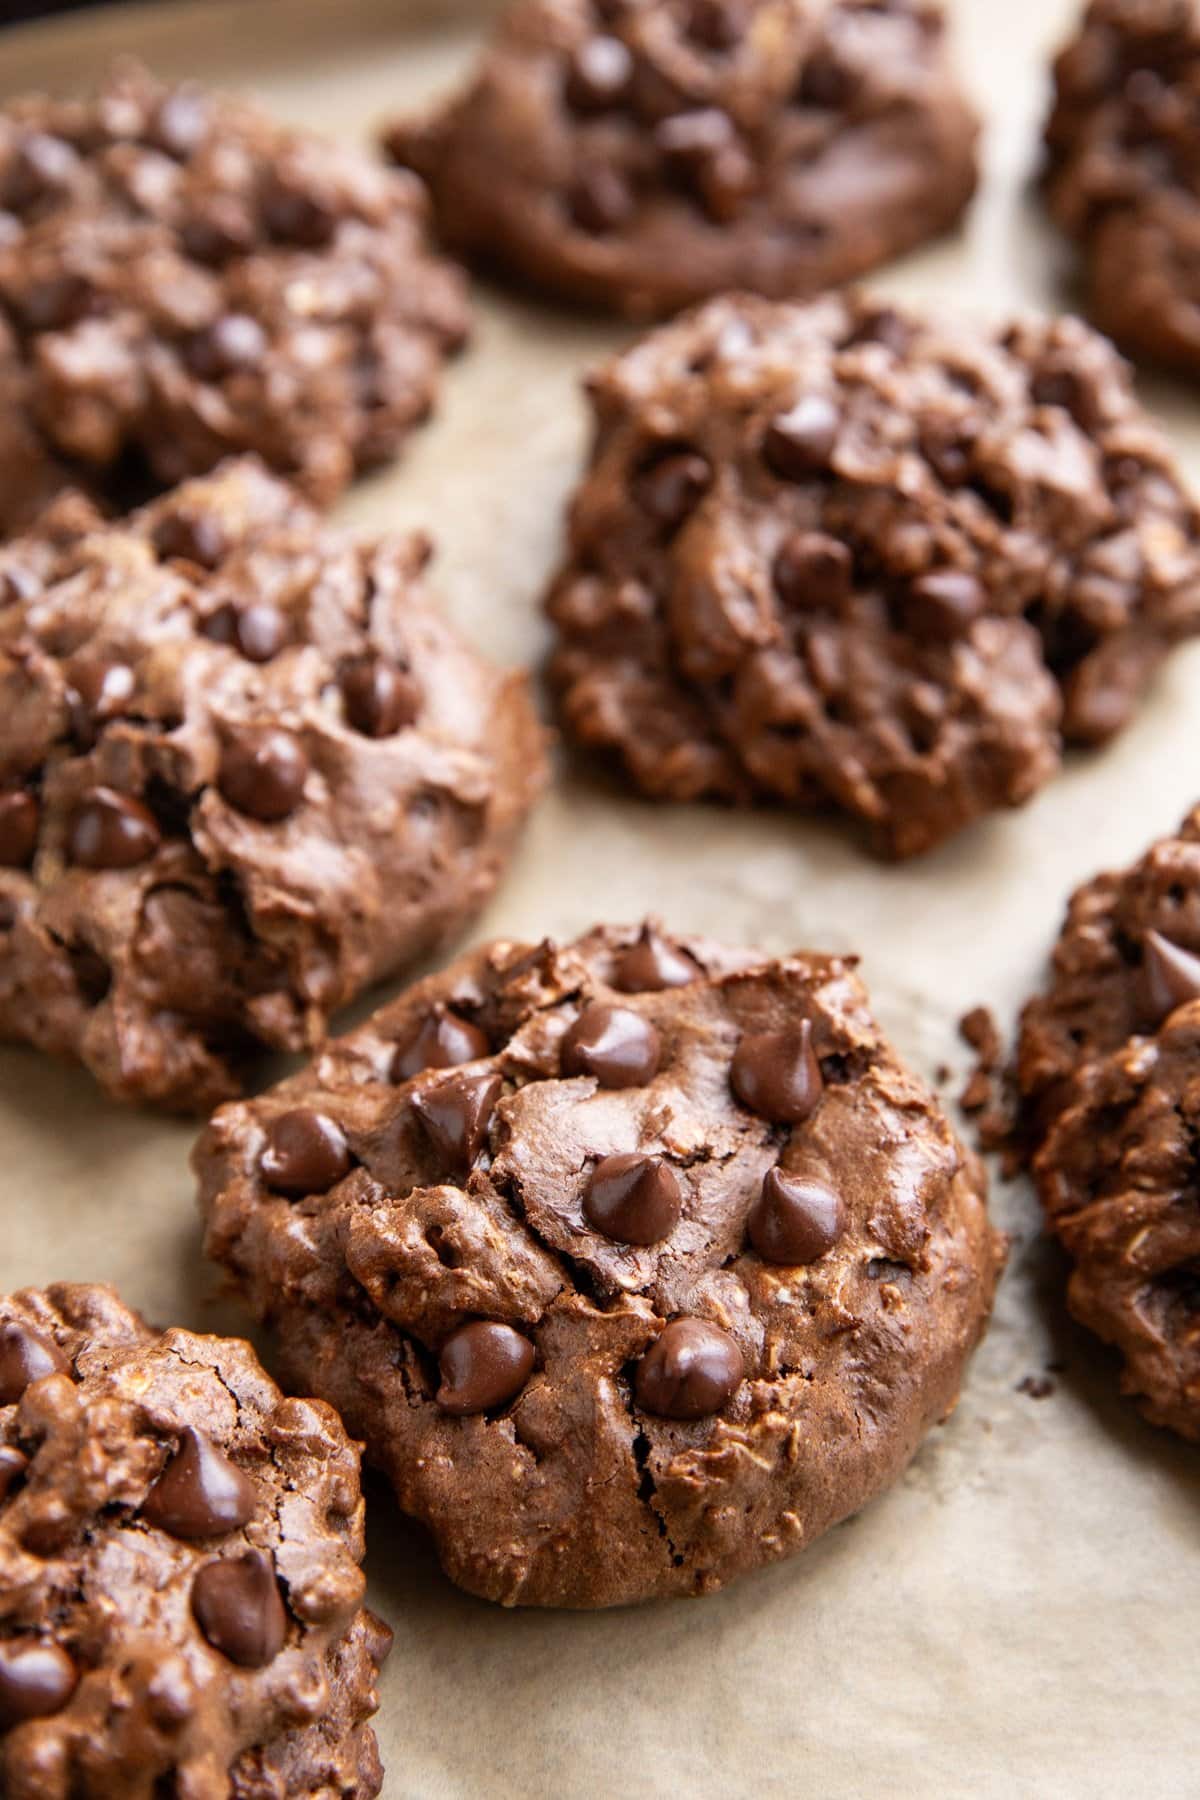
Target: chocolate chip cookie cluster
<point>586,1240</point>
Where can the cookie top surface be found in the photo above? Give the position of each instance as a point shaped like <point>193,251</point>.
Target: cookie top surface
<point>184,278</point>
<point>643,154</point>
<point>180,1590</point>
<point>843,555</point>
<point>621,1242</point>
<point>246,768</point>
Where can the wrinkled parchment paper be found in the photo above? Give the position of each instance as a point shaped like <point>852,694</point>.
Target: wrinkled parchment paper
<point>1019,1617</point>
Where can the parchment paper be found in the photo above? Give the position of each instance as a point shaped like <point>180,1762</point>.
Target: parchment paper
<point>1019,1617</point>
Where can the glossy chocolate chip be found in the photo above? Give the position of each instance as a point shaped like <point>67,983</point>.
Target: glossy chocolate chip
<point>618,1047</point>
<point>258,631</point>
<point>112,831</point>
<point>601,200</point>
<point>100,688</point>
<point>598,74</point>
<point>298,218</point>
<point>1170,976</point>
<point>306,1153</point>
<point>672,486</point>
<point>651,965</point>
<point>231,344</point>
<point>442,1040</point>
<point>687,140</point>
<point>794,1220</point>
<point>181,123</point>
<point>26,1355</point>
<point>483,1365</point>
<point>196,538</point>
<point>379,698</point>
<point>633,1198</point>
<point>201,1492</point>
<point>691,1371</point>
<point>262,774</point>
<point>813,570</point>
<point>800,442</point>
<point>37,1678</point>
<point>456,1114</point>
<point>237,1605</point>
<point>944,604</point>
<point>13,1465</point>
<point>777,1075</point>
<point>19,815</point>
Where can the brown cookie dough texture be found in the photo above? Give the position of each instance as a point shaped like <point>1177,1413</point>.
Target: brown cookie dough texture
<point>850,558</point>
<point>1123,171</point>
<point>641,1264</point>
<point>180,1591</point>
<point>1107,1068</point>
<point>246,768</point>
<point>182,278</point>
<point>644,154</point>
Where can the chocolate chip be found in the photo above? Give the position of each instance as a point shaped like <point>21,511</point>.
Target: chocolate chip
<point>691,1371</point>
<point>196,538</point>
<point>258,631</point>
<point>306,1153</point>
<point>483,1365</point>
<point>726,181</point>
<point>795,1221</point>
<point>598,74</point>
<point>200,1492</point>
<point>777,1075</point>
<point>800,442</point>
<point>633,1198</point>
<point>717,24</point>
<point>813,570</point>
<point>19,815</point>
<point>651,965</point>
<point>618,1047</point>
<point>262,774</point>
<point>1067,389</point>
<point>379,698</point>
<point>825,82</point>
<point>230,344</point>
<point>237,1605</point>
<point>181,123</point>
<point>297,217</point>
<point>1170,976</point>
<point>601,200</point>
<point>57,302</point>
<point>100,689</point>
<point>12,1469</point>
<point>43,167</point>
<point>456,1114</point>
<point>112,831</point>
<point>944,604</point>
<point>672,485</point>
<point>37,1678</point>
<point>687,140</point>
<point>26,1355</point>
<point>442,1040</point>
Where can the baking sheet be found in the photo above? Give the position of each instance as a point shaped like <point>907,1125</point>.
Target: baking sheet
<point>1019,1616</point>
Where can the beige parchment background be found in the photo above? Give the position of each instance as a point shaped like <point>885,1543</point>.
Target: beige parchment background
<point>1020,1616</point>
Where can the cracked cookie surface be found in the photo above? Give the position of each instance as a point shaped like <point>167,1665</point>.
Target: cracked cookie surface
<point>642,156</point>
<point>636,1262</point>
<point>849,557</point>
<point>180,1590</point>
<point>246,768</point>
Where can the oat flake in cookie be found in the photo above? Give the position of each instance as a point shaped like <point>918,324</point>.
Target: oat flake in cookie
<point>246,768</point>
<point>643,154</point>
<point>180,1591</point>
<point>647,1261</point>
<point>852,558</point>
<point>184,278</point>
<point>1107,1067</point>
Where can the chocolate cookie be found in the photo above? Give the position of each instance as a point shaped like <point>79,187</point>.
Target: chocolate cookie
<point>848,557</point>
<point>637,1262</point>
<point>180,1592</point>
<point>1123,155</point>
<point>246,768</point>
<point>643,154</point>
<point>1107,1070</point>
<point>184,278</point>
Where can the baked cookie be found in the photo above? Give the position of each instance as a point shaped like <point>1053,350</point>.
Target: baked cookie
<point>847,557</point>
<point>637,1262</point>
<point>246,768</point>
<point>185,278</point>
<point>1123,154</point>
<point>644,154</point>
<point>180,1591</point>
<point>1108,1068</point>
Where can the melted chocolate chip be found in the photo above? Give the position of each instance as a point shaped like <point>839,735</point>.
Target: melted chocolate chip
<point>442,1040</point>
<point>672,486</point>
<point>777,1075</point>
<point>813,570</point>
<point>379,698</point>
<point>19,815</point>
<point>617,1047</point>
<point>306,1153</point>
<point>13,1465</point>
<point>599,74</point>
<point>37,1678</point>
<point>26,1355</point>
<point>101,689</point>
<point>795,1221</point>
<point>237,1606</point>
<point>634,1199</point>
<point>112,831</point>
<point>258,631</point>
<point>601,200</point>
<point>456,1114</point>
<point>200,1492</point>
<point>1170,976</point>
<point>651,965</point>
<point>263,772</point>
<point>691,1371</point>
<point>196,538</point>
<point>483,1365</point>
<point>944,604</point>
<point>799,443</point>
<point>231,344</point>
